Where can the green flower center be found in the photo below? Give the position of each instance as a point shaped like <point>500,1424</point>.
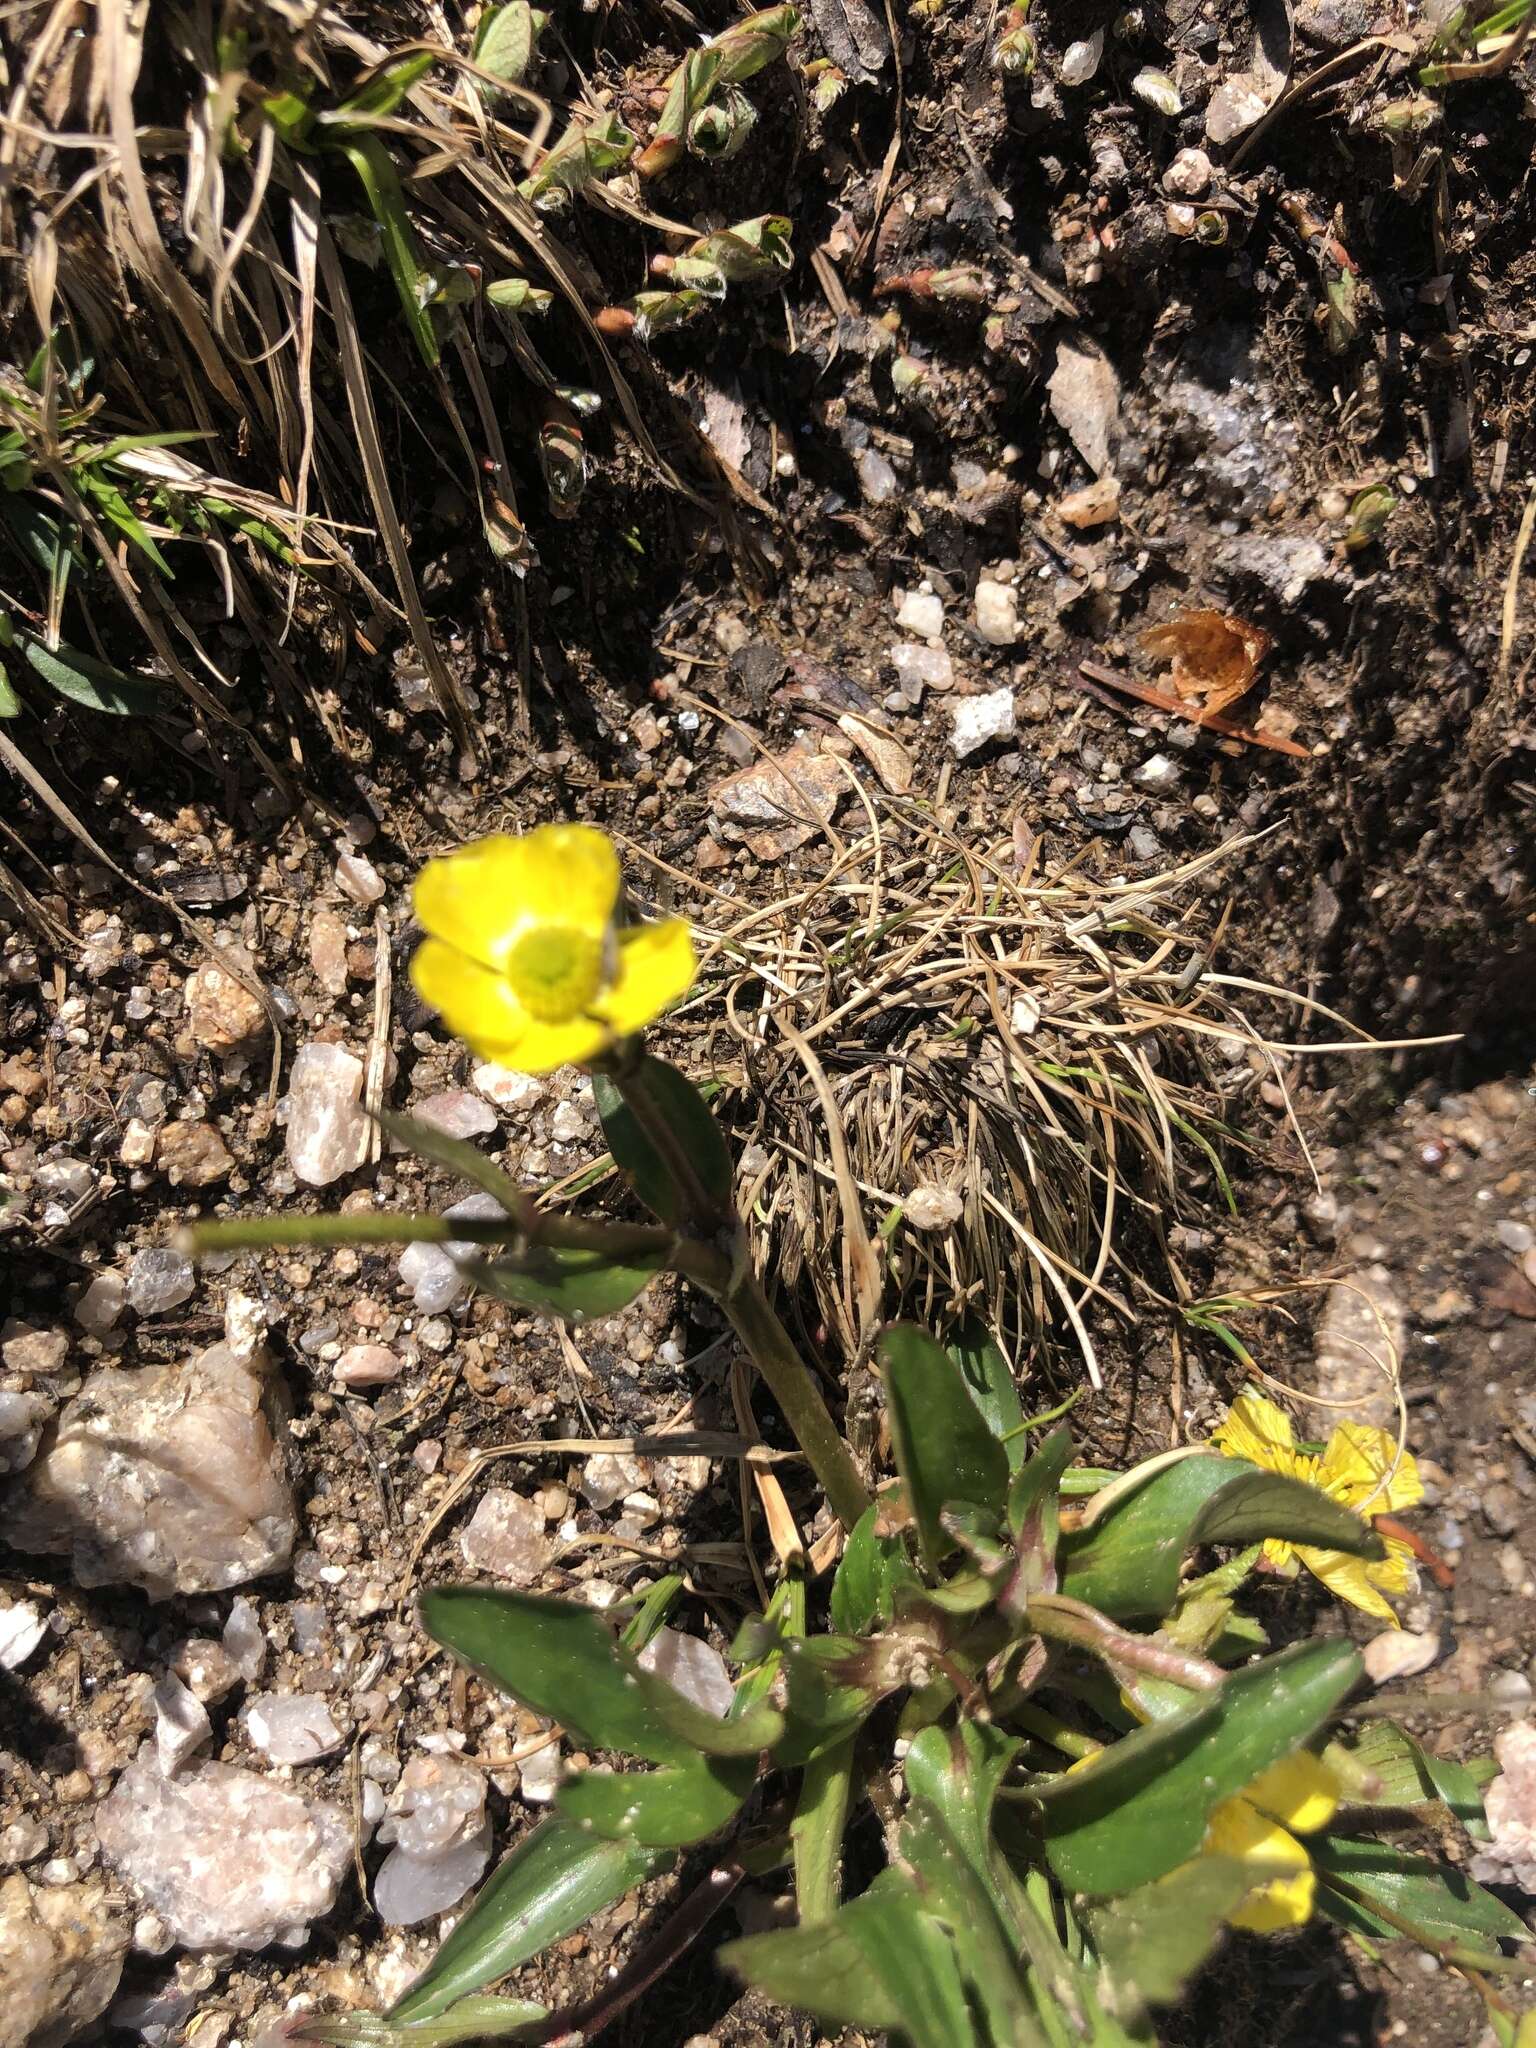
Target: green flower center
<point>556,972</point>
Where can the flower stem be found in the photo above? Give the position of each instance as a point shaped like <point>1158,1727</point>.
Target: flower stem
<point>717,1262</point>
<point>1064,1620</point>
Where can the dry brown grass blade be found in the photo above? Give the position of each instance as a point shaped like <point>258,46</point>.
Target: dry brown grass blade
<point>861,1266</point>
<point>364,420</point>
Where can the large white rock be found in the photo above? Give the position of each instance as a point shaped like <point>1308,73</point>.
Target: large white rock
<point>327,1130</point>
<point>441,1840</point>
<point>227,1858</point>
<point>167,1478</point>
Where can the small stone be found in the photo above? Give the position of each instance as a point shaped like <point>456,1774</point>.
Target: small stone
<point>694,1667</point>
<point>933,1208</point>
<point>227,1858</point>
<point>1081,60</point>
<point>358,878</point>
<point>328,951</point>
<point>920,612</point>
<point>1157,774</point>
<point>1085,399</point>
<point>158,1281</point>
<point>506,1536</point>
<point>193,1155</point>
<point>507,1088</point>
<point>1189,175</point>
<point>33,1353</point>
<point>608,1477</point>
<point>434,1278</point>
<point>101,1303</point>
<point>442,1840</point>
<point>22,1419</point>
<point>181,1723</point>
<point>457,1113</point>
<point>567,1126</point>
<point>223,1016</point>
<point>1399,1653</point>
<point>244,1640</point>
<point>22,1842</point>
<point>540,1775</point>
<point>997,612</point>
<point>167,1478</point>
<point>205,1668</point>
<point>977,721</point>
<point>137,1147</point>
<point>1515,1236</point>
<point>877,480</point>
<point>327,1130</point>
<point>1096,504</point>
<point>1503,1509</point>
<point>367,1365</point>
<point>23,1626</point>
<point>1510,1688</point>
<point>61,1955</point>
<point>1510,1805</point>
<point>290,1728</point>
<point>922,667</point>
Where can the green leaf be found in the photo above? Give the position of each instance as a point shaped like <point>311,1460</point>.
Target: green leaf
<point>10,703</point>
<point>1128,1563</point>
<point>1385,1766</point>
<point>957,1771</point>
<point>1034,1520</point>
<point>690,1118</point>
<point>989,1382</point>
<point>472,2019</point>
<point>575,1285</point>
<point>562,1660</point>
<point>833,1684</point>
<point>954,1896</point>
<point>457,1155</point>
<point>381,186</point>
<point>665,1809</point>
<point>382,95</point>
<point>944,1450</point>
<point>1437,1902</point>
<point>869,1572</point>
<point>95,684</point>
<point>554,1880</point>
<point>1151,1942</point>
<point>880,1962</point>
<point>290,116</point>
<point>506,38</point>
<point>128,444</point>
<point>1142,1805</point>
<point>816,1832</point>
<point>108,499</point>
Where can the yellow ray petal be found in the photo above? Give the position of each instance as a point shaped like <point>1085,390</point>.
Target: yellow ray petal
<point>1259,1431</point>
<point>1300,1792</point>
<point>571,876</point>
<point>1348,1578</point>
<point>656,965</point>
<point>473,899</point>
<point>1281,1867</point>
<point>1353,1465</point>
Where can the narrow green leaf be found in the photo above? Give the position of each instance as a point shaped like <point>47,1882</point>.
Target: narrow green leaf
<point>869,1572</point>
<point>109,500</point>
<point>382,95</point>
<point>1034,1521</point>
<point>1142,1805</point>
<point>690,1117</point>
<point>95,684</point>
<point>127,444</point>
<point>1128,1564</point>
<point>665,1809</point>
<point>954,1896</point>
<point>944,1450</point>
<point>457,1155</point>
<point>562,1660</point>
<point>381,187</point>
<point>1152,1941</point>
<point>816,1832</point>
<point>10,703</point>
<point>577,1286</point>
<point>472,2019</point>
<point>989,1382</point>
<point>1437,1901</point>
<point>553,1881</point>
<point>1386,1766</point>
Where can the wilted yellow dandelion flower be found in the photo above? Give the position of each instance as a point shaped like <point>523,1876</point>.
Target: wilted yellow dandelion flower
<point>1296,1796</point>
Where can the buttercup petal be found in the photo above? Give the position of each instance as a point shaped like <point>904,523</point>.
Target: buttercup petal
<point>475,899</point>
<point>1257,1430</point>
<point>1300,1792</point>
<point>1348,1578</point>
<point>657,964</point>
<point>571,876</point>
<point>1286,1886</point>
<point>479,1007</point>
<point>1354,1463</point>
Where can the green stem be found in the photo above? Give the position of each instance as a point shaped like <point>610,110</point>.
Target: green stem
<point>1064,1620</point>
<point>263,1233</point>
<point>715,1259</point>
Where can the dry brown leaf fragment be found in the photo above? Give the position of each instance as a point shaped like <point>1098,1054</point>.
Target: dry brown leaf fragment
<point>1213,658</point>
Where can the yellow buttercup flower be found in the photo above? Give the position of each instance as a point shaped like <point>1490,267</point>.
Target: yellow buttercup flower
<point>1296,1796</point>
<point>523,957</point>
<point>1358,1467</point>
